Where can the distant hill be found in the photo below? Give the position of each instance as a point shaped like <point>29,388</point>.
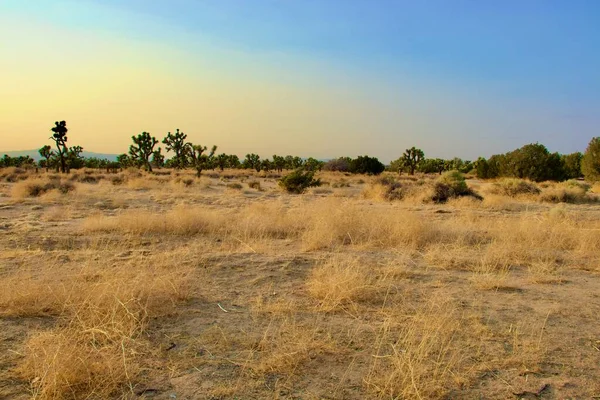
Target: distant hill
<point>36,156</point>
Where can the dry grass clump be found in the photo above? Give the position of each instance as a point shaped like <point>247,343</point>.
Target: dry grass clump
<point>254,184</point>
<point>450,185</point>
<point>513,187</point>
<point>286,345</point>
<point>255,222</point>
<point>340,281</point>
<point>334,223</point>
<point>94,350</point>
<point>14,174</point>
<point>181,220</point>
<point>40,186</point>
<point>235,186</point>
<point>572,191</point>
<point>424,355</point>
<point>386,188</point>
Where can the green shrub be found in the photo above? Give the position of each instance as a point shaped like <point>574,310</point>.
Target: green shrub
<point>298,181</point>
<point>450,185</point>
<point>455,181</point>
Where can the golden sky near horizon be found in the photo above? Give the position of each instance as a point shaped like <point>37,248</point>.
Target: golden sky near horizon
<point>109,87</point>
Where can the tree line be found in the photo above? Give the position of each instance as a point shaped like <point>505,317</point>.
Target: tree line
<point>532,161</point>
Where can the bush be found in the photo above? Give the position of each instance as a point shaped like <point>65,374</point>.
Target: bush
<point>366,165</point>
<point>451,184</point>
<point>298,181</point>
<point>565,195</point>
<point>514,187</point>
<point>117,180</point>
<point>254,185</point>
<point>590,164</point>
<point>575,184</point>
<point>455,181</point>
<point>35,188</point>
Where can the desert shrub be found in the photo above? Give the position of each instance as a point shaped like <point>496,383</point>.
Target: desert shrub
<point>235,185</point>
<point>566,195</point>
<point>88,178</point>
<point>451,184</point>
<point>117,180</point>
<point>513,187</point>
<point>341,183</point>
<point>254,184</point>
<point>35,188</point>
<point>573,183</point>
<point>385,188</point>
<point>298,181</point>
<point>366,165</point>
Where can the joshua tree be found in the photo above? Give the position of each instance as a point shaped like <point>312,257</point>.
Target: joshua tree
<point>234,161</point>
<point>412,157</point>
<point>266,165</point>
<point>199,159</point>
<point>74,158</point>
<point>158,158</point>
<point>222,161</point>
<point>60,138</point>
<point>252,161</point>
<point>142,148</point>
<point>47,153</point>
<point>176,143</point>
<point>278,163</point>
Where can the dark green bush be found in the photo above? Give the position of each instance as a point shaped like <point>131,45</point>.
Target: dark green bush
<point>298,181</point>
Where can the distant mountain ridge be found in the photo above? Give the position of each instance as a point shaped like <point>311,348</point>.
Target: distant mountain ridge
<point>36,156</point>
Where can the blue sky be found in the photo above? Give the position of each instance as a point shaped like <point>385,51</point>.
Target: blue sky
<point>323,78</point>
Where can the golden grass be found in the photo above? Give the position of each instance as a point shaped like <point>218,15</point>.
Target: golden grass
<point>421,356</point>
<point>331,294</point>
<point>341,281</point>
<point>94,349</point>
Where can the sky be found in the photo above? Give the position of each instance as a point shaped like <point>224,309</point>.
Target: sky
<point>320,78</point>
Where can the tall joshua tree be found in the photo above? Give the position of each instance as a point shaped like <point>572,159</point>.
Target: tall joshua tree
<point>412,157</point>
<point>47,153</point>
<point>199,159</point>
<point>142,148</point>
<point>60,138</point>
<point>176,143</point>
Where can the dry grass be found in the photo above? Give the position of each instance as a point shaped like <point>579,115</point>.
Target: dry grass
<point>341,281</point>
<point>167,284</point>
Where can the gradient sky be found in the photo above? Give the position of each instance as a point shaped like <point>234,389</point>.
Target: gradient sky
<point>321,78</point>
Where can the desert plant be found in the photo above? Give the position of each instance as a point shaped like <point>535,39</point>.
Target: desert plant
<point>412,157</point>
<point>278,162</point>
<point>222,161</point>
<point>252,161</point>
<point>158,158</point>
<point>176,143</point>
<point>199,159</point>
<point>514,187</point>
<point>142,148</point>
<point>60,138</point>
<point>590,164</point>
<point>254,185</point>
<point>298,181</point>
<point>451,184</point>
<point>366,165</point>
<point>47,153</point>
